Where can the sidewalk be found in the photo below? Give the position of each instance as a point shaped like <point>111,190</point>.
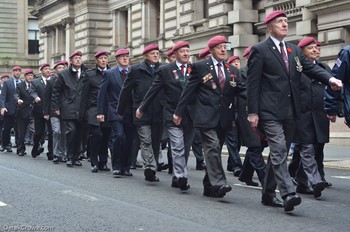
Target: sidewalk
<point>336,156</point>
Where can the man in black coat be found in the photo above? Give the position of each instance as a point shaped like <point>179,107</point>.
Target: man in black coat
<point>312,128</point>
<point>66,96</point>
<point>58,137</point>
<point>24,108</point>
<point>273,95</point>
<point>98,134</point>
<point>149,127</point>
<point>172,79</point>
<point>213,85</point>
<point>39,86</point>
<point>8,108</point>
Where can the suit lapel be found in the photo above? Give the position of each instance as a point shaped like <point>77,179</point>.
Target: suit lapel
<point>277,54</point>
<point>213,73</point>
<point>117,76</point>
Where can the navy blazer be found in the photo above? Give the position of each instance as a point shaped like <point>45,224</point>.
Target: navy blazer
<point>38,87</point>
<point>108,95</point>
<point>7,97</point>
<point>24,110</point>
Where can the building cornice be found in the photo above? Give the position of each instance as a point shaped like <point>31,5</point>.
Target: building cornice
<point>328,6</point>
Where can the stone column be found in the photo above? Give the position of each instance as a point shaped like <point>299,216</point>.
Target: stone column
<point>242,17</point>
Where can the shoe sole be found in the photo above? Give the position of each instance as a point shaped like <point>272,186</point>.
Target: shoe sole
<point>222,191</point>
<point>293,202</point>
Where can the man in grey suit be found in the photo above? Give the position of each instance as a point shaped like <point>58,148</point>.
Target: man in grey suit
<point>273,95</point>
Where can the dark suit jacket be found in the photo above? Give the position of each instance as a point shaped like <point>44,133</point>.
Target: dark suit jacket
<point>137,83</point>
<point>313,124</point>
<point>172,81</point>
<point>89,95</point>
<point>270,86</point>
<point>47,96</point>
<point>213,107</point>
<point>24,110</point>
<point>66,94</point>
<point>108,96</point>
<point>38,87</point>
<point>7,97</point>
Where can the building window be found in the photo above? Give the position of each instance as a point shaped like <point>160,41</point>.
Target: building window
<point>31,2</point>
<point>121,28</point>
<point>153,16</point>
<point>33,36</point>
<point>201,9</point>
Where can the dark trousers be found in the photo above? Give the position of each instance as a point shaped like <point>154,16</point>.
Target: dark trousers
<point>233,146</point>
<point>9,123</point>
<point>72,129</point>
<point>212,142</point>
<point>130,132</point>
<point>22,124</point>
<point>39,125</point>
<point>253,160</point>
<point>197,148</point>
<point>98,145</point>
<point>118,141</point>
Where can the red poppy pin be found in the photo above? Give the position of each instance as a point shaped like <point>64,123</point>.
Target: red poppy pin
<point>189,70</point>
<point>233,76</point>
<point>289,50</point>
<point>226,65</point>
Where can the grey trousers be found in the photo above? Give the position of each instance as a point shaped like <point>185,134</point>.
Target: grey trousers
<point>279,135</point>
<point>58,138</point>
<point>177,145</point>
<point>310,174</point>
<point>145,136</point>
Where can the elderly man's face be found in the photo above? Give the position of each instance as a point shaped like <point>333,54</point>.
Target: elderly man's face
<point>278,27</point>
<point>219,52</point>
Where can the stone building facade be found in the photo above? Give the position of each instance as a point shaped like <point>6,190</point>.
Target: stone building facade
<point>91,25</point>
<point>19,35</point>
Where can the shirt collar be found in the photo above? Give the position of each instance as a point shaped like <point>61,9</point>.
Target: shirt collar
<point>178,64</point>
<point>277,42</point>
<point>215,62</point>
<point>121,69</point>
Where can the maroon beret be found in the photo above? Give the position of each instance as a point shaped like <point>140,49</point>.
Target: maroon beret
<point>204,52</point>
<point>62,62</point>
<point>273,15</point>
<point>216,40</point>
<point>122,51</point>
<point>28,71</point>
<point>5,75</point>
<point>318,43</point>
<point>306,41</point>
<point>43,66</point>
<point>247,51</point>
<point>232,58</point>
<point>78,53</point>
<point>169,53</point>
<point>100,53</point>
<point>180,44</point>
<point>150,47</point>
<point>16,68</point>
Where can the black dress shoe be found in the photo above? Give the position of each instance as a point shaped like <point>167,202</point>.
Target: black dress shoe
<point>200,166</point>
<point>182,183</point>
<point>127,173</point>
<point>328,184</point>
<point>162,167</point>
<point>56,160</point>
<point>34,153</point>
<point>274,202</point>
<point>117,173</point>
<point>104,168</point>
<point>237,172</point>
<point>94,169</point>
<point>8,149</point>
<point>69,163</point>
<point>63,159</point>
<point>249,182</point>
<point>290,201</point>
<point>174,182</point>
<point>208,192</point>
<point>82,156</point>
<point>78,163</point>
<point>223,189</point>
<point>303,190</point>
<point>2,149</point>
<point>40,150</point>
<point>318,188</point>
<point>150,175</point>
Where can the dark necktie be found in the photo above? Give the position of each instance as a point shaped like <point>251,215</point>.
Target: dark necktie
<point>152,69</point>
<point>284,56</point>
<point>183,70</point>
<point>124,71</point>
<point>221,77</point>
<point>28,87</point>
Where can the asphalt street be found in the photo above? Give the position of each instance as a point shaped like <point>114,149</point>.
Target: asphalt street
<point>37,195</point>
